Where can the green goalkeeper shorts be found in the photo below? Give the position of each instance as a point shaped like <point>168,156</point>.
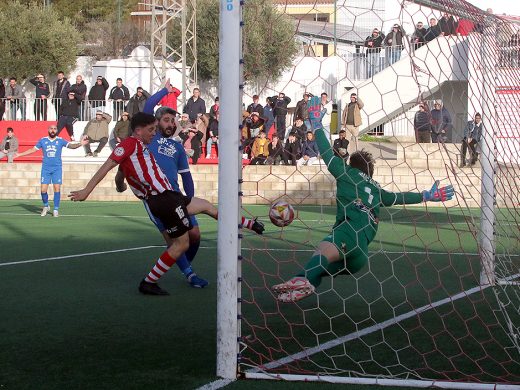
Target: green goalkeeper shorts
<point>352,245</point>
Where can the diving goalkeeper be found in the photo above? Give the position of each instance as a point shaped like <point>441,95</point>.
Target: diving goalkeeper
<point>358,198</point>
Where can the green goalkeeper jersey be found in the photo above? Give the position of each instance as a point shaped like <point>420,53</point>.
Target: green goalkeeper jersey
<point>358,196</point>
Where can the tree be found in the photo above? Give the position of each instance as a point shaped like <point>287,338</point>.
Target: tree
<point>35,41</point>
<point>268,40</point>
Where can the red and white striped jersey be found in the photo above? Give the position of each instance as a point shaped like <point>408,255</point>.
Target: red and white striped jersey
<point>140,168</point>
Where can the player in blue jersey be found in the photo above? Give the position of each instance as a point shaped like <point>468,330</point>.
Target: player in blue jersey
<point>173,161</point>
<point>51,147</point>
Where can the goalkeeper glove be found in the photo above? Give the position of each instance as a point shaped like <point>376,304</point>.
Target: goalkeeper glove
<point>437,194</point>
<point>315,112</point>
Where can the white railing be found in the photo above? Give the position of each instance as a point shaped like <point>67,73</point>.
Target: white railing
<point>47,109</point>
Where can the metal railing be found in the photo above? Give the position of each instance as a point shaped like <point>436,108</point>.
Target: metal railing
<point>48,109</point>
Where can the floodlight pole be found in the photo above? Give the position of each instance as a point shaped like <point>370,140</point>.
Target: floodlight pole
<point>488,160</point>
<point>230,160</point>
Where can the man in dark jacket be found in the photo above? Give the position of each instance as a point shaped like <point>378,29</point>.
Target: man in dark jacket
<point>301,110</point>
<point>418,37</point>
<point>42,93</point>
<point>433,31</point>
<point>374,43</point>
<point>422,125</point>
<point>97,95</point>
<point>340,145</point>
<point>448,25</point>
<point>119,95</point>
<point>472,136</point>
<point>291,150</point>
<point>256,106</point>
<point>137,102</point>
<point>80,92</point>
<point>299,128</point>
<point>68,114</point>
<point>395,44</point>
<point>195,105</point>
<point>61,90</point>
<point>280,113</point>
<point>441,122</point>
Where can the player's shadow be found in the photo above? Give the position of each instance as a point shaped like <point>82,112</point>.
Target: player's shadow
<point>29,207</point>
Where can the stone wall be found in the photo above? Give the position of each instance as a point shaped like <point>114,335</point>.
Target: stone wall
<point>415,169</point>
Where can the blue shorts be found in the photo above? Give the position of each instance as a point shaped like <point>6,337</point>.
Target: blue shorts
<point>51,175</point>
<point>157,222</point>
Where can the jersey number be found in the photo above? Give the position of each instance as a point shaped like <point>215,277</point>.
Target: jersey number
<point>368,190</point>
<point>179,212</point>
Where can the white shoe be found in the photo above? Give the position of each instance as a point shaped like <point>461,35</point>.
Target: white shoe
<point>55,214</point>
<point>296,283</point>
<point>295,295</point>
<point>208,156</point>
<point>45,210</point>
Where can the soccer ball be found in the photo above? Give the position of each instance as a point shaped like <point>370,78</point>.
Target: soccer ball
<point>281,213</point>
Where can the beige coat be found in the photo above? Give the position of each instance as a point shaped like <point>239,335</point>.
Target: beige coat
<point>357,113</point>
<point>98,129</point>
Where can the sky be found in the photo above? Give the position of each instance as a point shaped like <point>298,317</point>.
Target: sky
<point>509,7</point>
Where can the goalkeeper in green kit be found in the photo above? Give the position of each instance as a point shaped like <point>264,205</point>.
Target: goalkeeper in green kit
<point>358,198</point>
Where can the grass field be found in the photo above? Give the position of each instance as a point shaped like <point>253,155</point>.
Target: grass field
<point>72,317</point>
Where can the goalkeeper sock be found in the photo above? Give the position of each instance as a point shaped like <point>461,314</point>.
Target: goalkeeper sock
<point>45,198</point>
<point>192,251</point>
<point>247,223</point>
<point>162,266</point>
<point>57,197</point>
<point>315,269</point>
<point>184,265</point>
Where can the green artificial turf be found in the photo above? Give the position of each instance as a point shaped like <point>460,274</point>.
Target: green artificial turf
<point>73,319</point>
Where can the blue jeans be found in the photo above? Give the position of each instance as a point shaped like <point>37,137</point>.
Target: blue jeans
<point>394,54</point>
<point>209,144</point>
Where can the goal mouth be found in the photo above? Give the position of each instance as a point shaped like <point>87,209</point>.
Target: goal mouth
<point>401,290</point>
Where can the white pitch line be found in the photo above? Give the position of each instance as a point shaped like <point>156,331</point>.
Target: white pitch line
<point>77,255</point>
<point>371,329</point>
<point>218,384</point>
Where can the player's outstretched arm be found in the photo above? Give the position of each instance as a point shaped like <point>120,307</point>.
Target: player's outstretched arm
<point>81,195</point>
<point>25,153</point>
<point>154,100</point>
<point>435,194</point>
<point>335,165</point>
<point>74,145</point>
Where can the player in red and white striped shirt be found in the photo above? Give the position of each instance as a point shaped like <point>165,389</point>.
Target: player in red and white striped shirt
<point>148,182</point>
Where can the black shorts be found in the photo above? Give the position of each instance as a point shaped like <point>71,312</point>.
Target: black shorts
<point>170,207</point>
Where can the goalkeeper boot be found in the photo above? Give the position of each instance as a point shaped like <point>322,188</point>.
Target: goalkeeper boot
<point>196,282</point>
<point>295,295</point>
<point>257,227</point>
<point>148,288</point>
<point>45,210</point>
<point>297,283</point>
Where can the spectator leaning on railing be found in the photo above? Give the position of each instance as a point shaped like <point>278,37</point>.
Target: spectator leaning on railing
<point>395,44</point>
<point>42,93</point>
<point>14,94</point>
<point>119,95</point>
<point>374,43</point>
<point>433,31</point>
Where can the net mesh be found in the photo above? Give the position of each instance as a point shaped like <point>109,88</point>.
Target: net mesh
<point>419,308</point>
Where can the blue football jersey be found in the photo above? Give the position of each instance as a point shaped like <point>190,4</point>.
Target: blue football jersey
<point>170,156</point>
<point>51,150</point>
